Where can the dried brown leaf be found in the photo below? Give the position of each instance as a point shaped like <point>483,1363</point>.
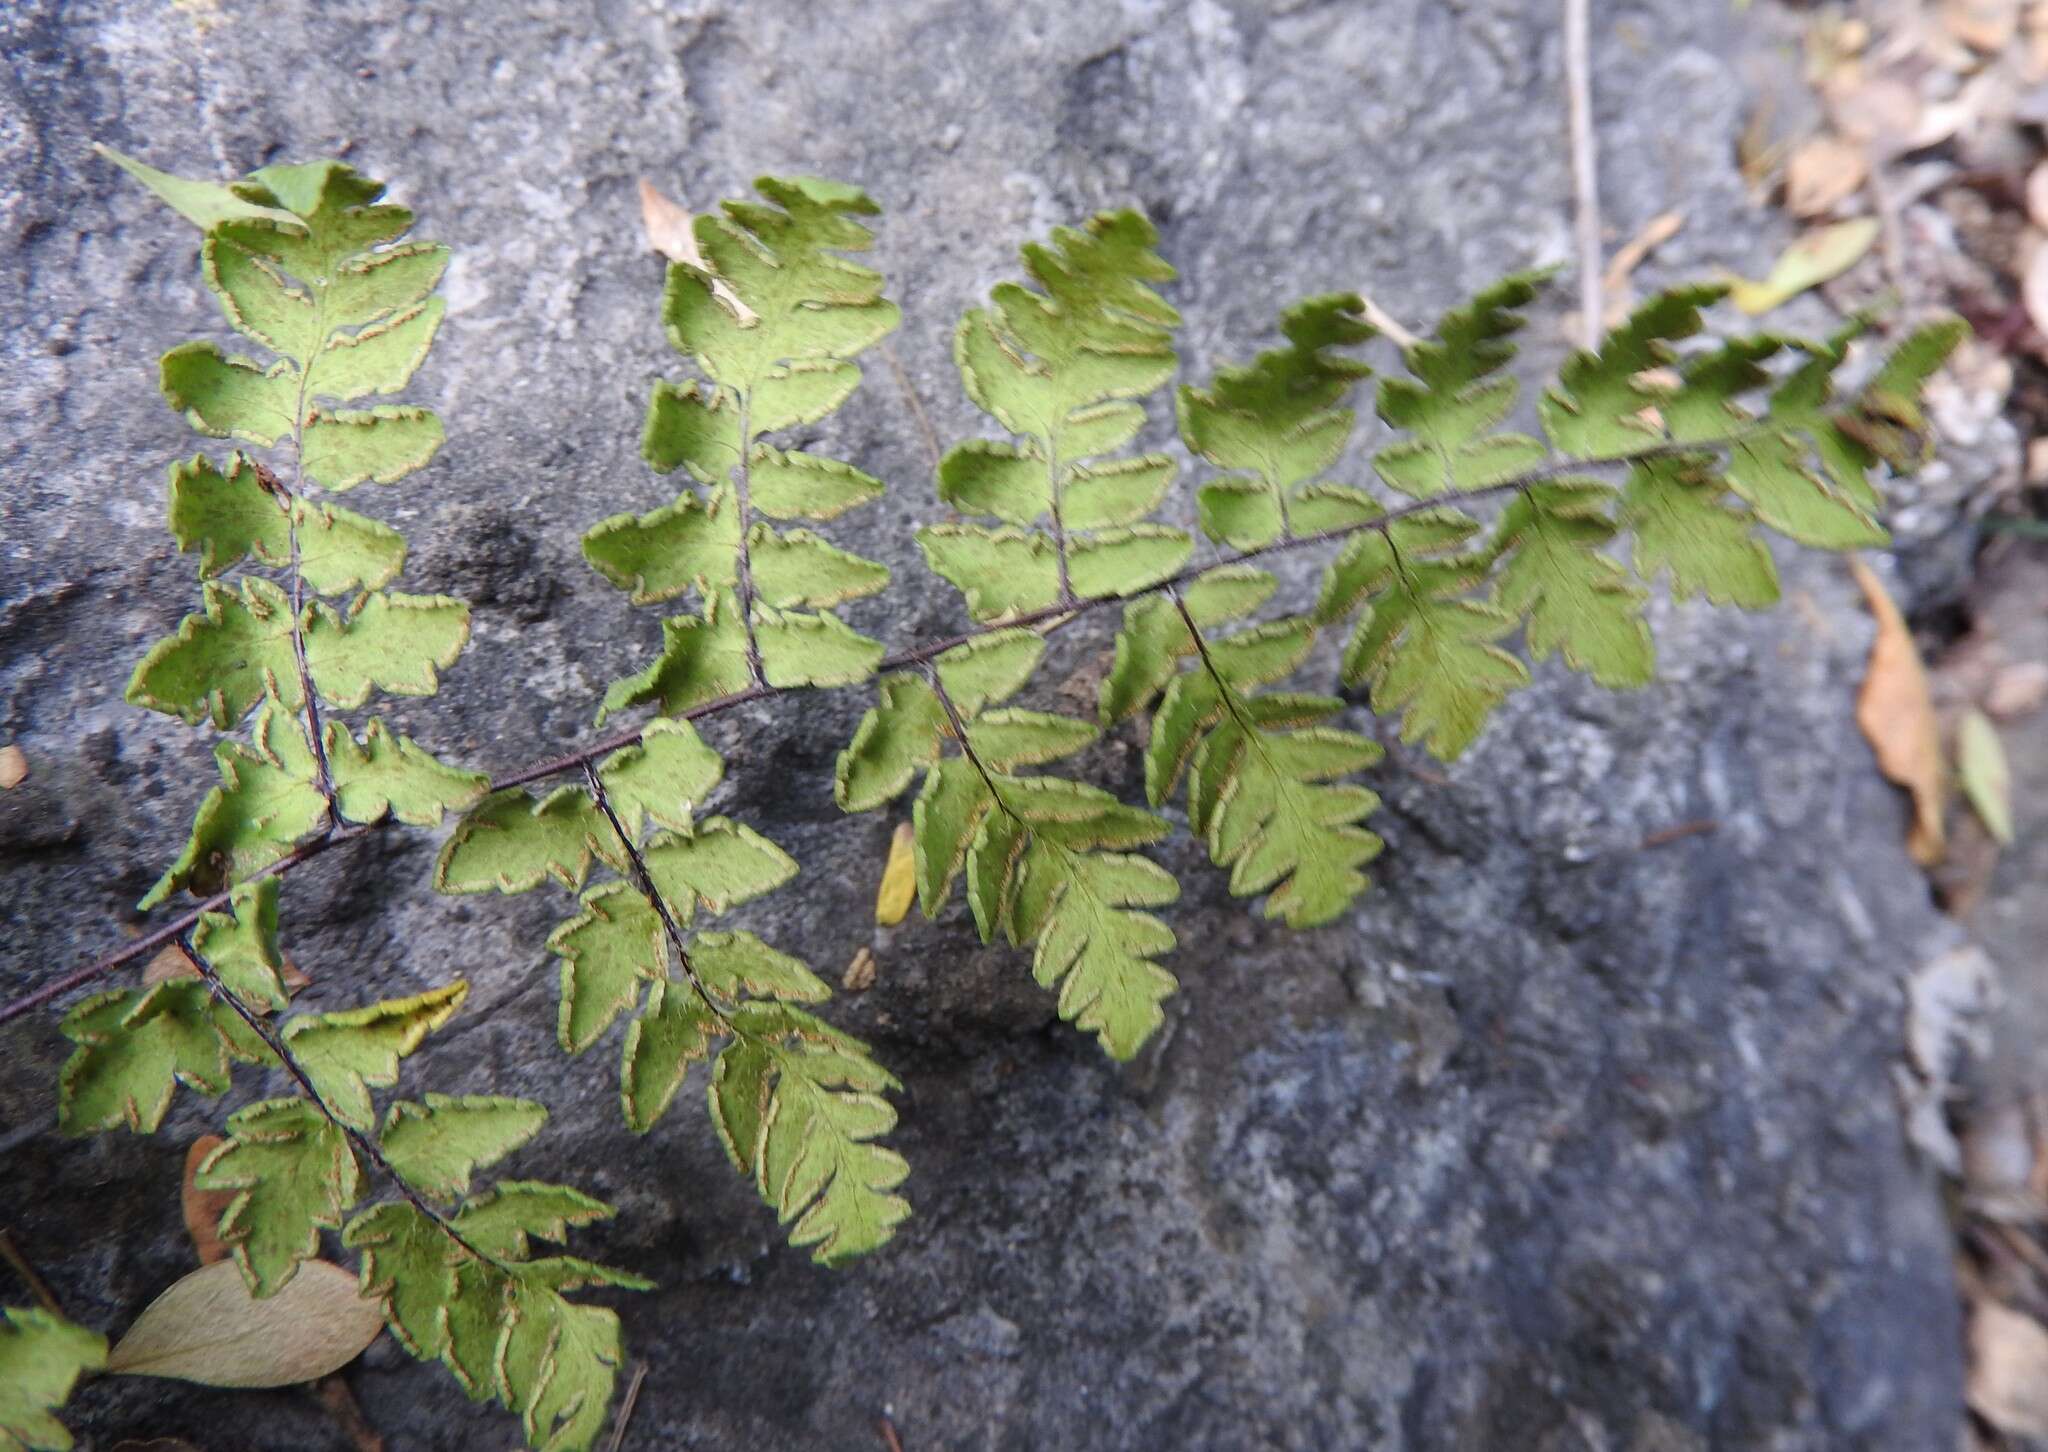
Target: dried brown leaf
<point>2009,1370</point>
<point>669,229</point>
<point>860,973</point>
<point>2017,690</point>
<point>1822,174</point>
<point>207,1328</point>
<point>167,964</point>
<point>204,1208</point>
<point>667,225</point>
<point>2034,288</point>
<point>1985,25</point>
<point>1895,710</point>
<point>1614,283</point>
<point>13,767</point>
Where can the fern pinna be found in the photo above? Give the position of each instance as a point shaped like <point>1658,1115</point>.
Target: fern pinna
<point>1474,536</point>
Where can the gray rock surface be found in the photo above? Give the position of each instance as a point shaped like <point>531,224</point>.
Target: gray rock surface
<point>1557,1142</point>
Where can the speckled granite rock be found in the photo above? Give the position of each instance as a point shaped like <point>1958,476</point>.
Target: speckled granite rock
<point>1555,1143</point>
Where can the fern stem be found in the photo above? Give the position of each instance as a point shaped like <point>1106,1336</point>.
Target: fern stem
<point>744,502</point>
<point>1054,490</point>
<point>643,882</point>
<point>921,655</point>
<point>287,500</point>
<point>367,1147</point>
<point>150,943</point>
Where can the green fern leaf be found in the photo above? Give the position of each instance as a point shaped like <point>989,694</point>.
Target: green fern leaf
<point>1887,415</point>
<point>208,204</point>
<point>242,948</point>
<point>512,843</point>
<point>1429,654</point>
<point>1091,946</point>
<point>557,1359</point>
<point>1260,770</point>
<point>224,658</point>
<point>720,863</point>
<point>1009,738</point>
<point>293,1173</point>
<point>136,1047</point>
<point>702,659</point>
<point>897,738</point>
<point>41,1358</point>
<point>349,1052</point>
<point>1367,561</point>
<point>1279,419</point>
<point>796,485</point>
<point>1054,367</point>
<point>1579,603</point>
<point>944,821</point>
<point>799,649</point>
<point>1674,507</point>
<point>439,1144</point>
<point>657,556</point>
<point>1155,639</point>
<point>797,567</point>
<point>387,642</point>
<point>1003,573</point>
<point>675,1030</point>
<point>409,1262</point>
<point>1598,408</point>
<point>266,804</point>
<point>288,253</point>
<point>798,1106</point>
<point>230,517</point>
<point>663,778</point>
<point>342,448</point>
<point>608,951</point>
<point>772,317</point>
<point>740,965</point>
<point>1458,397</point>
<point>386,775</point>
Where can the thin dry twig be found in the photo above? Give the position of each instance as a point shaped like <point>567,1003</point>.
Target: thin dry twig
<point>1385,321</point>
<point>1585,179</point>
<point>924,423</point>
<point>1665,836</point>
<point>888,1430</point>
<point>19,1264</point>
<point>625,1415</point>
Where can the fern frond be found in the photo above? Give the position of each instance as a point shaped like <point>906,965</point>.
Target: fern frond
<point>798,1106</point>
<point>773,319</point>
<point>1059,369</point>
<point>1261,770</point>
<point>306,264</point>
<point>1278,420</point>
<point>1458,397</point>
<point>472,1295</point>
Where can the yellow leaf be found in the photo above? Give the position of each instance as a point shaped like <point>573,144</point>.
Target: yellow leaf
<point>1896,713</point>
<point>1823,253</point>
<point>208,1328</point>
<point>1987,782</point>
<point>899,879</point>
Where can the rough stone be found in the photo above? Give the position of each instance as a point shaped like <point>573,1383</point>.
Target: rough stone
<point>1558,1141</point>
